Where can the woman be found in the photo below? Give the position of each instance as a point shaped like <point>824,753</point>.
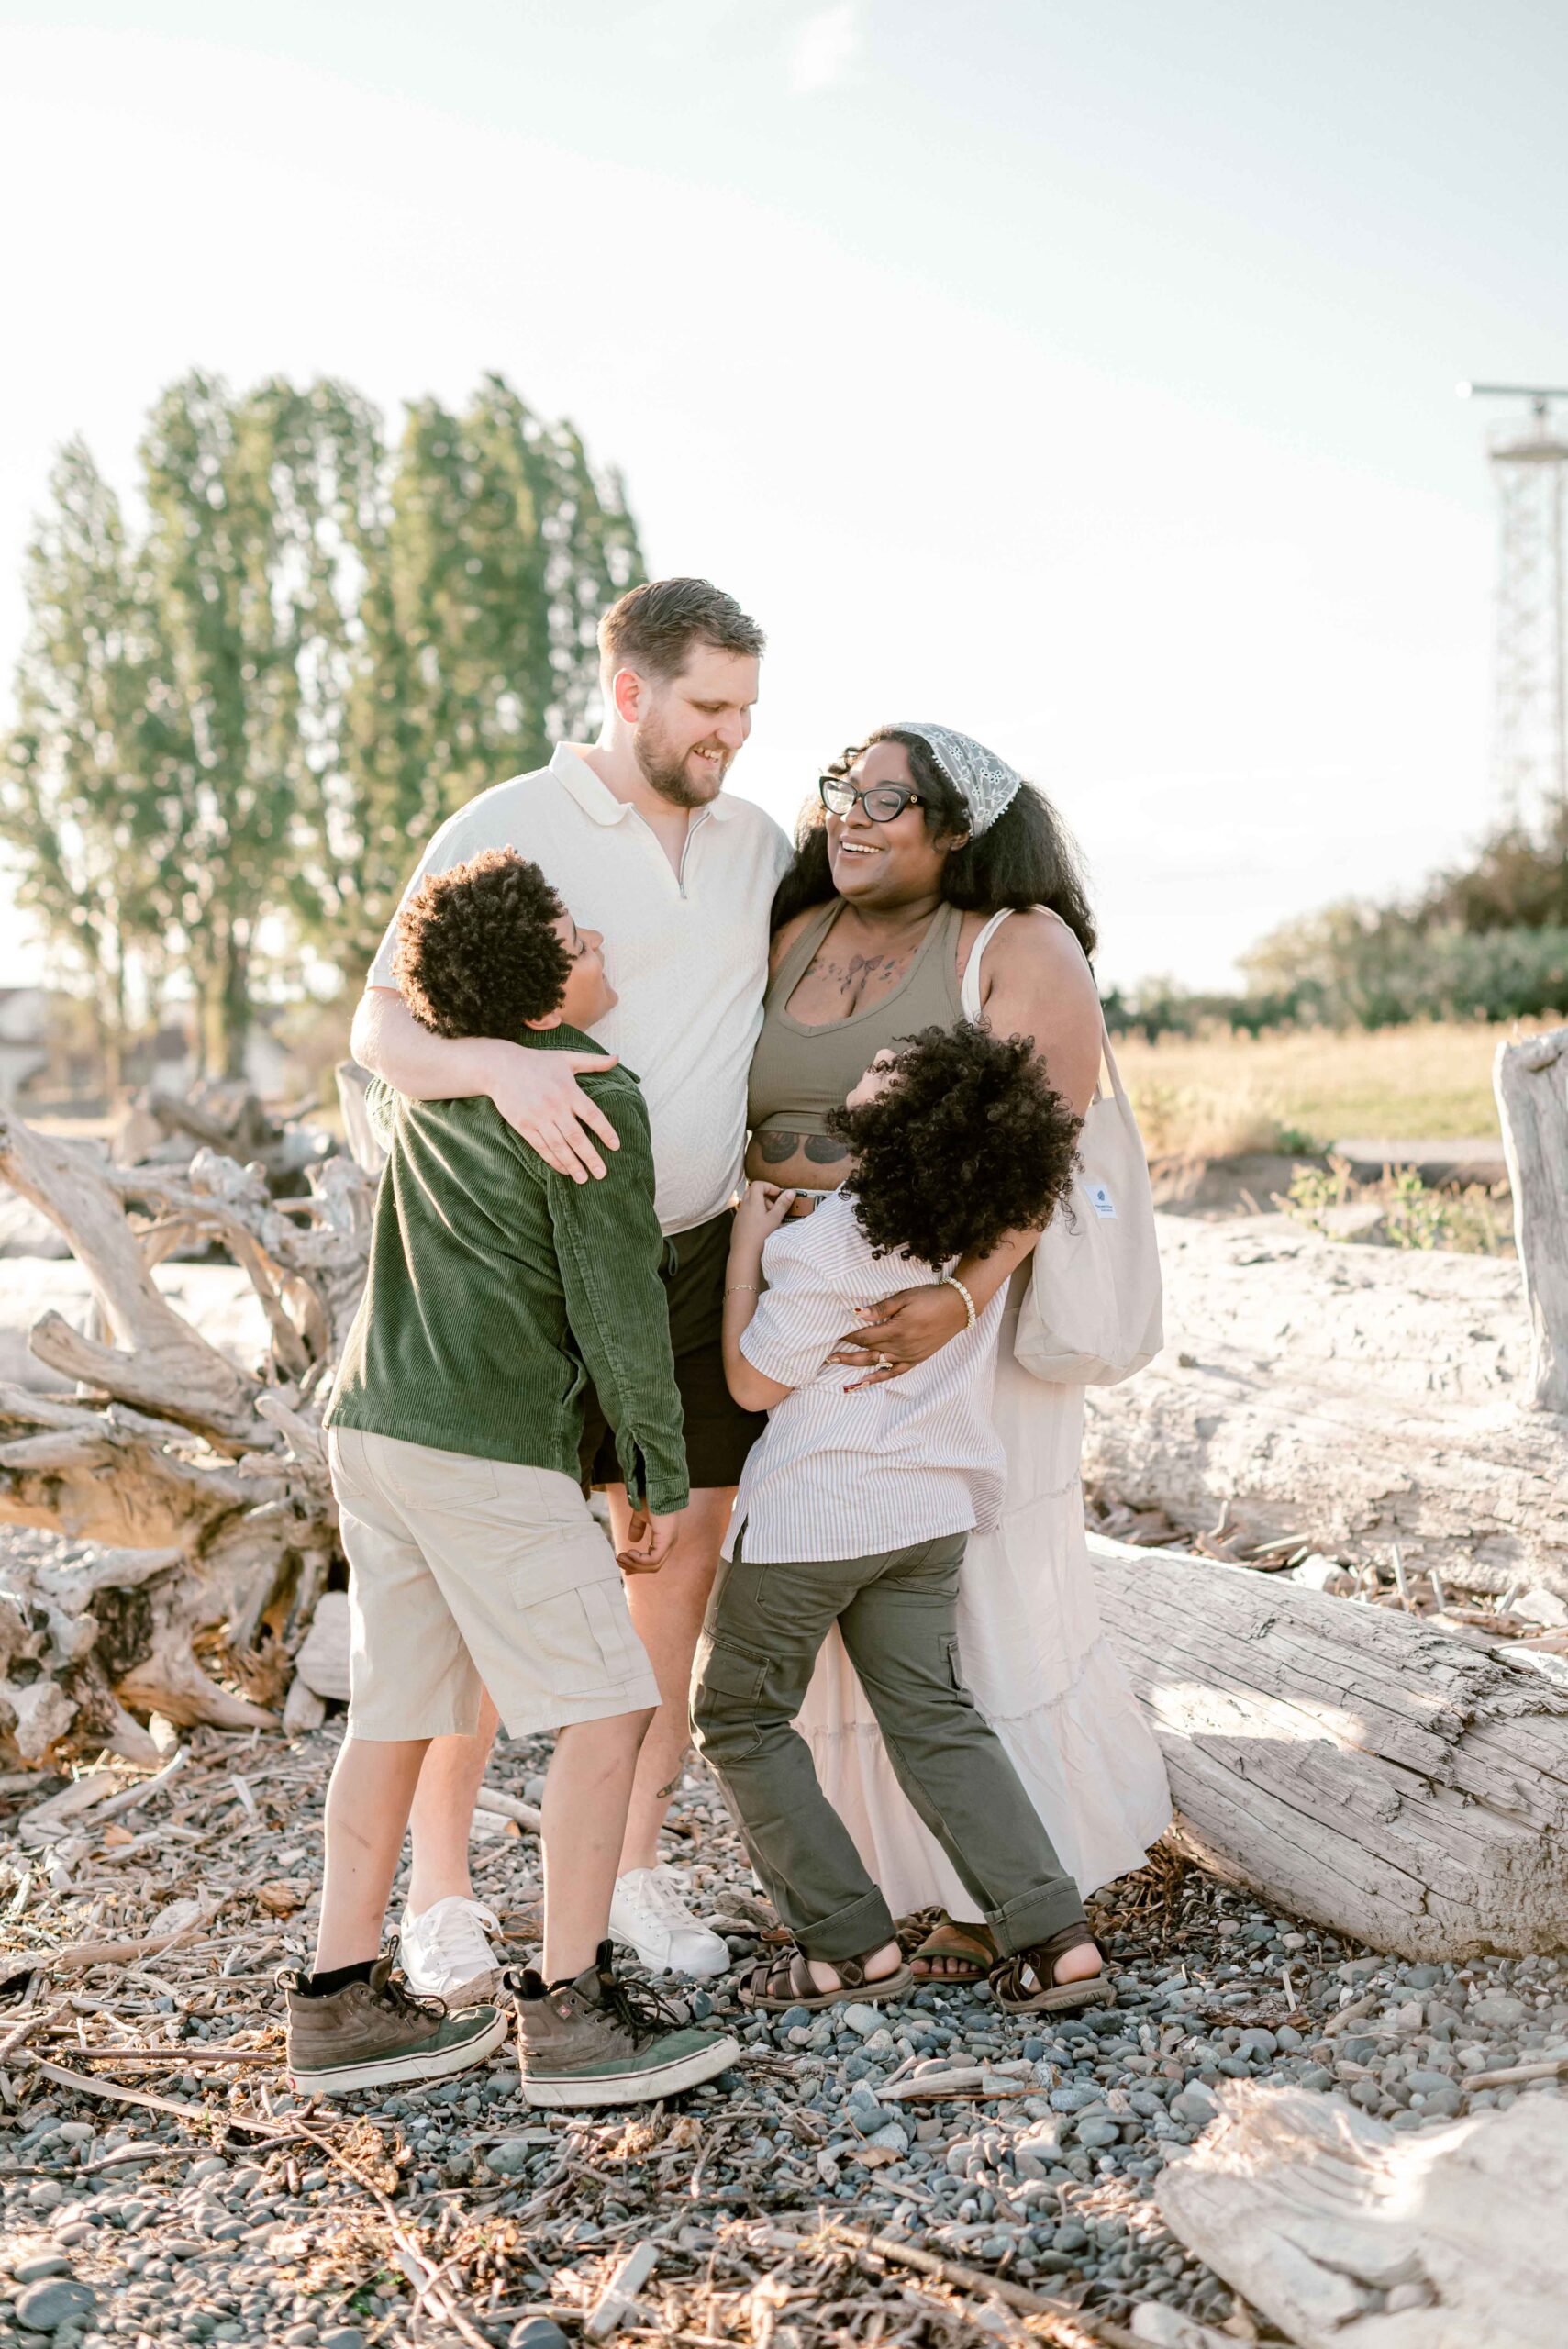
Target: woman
<point>923,839</point>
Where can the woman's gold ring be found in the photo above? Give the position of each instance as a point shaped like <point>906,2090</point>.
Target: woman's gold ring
<point>884,1362</point>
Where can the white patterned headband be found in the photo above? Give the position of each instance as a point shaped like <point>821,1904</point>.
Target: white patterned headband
<point>986,785</point>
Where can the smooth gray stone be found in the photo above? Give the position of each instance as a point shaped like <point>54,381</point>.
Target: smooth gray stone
<point>1098,2135</point>
<point>45,2307</point>
<point>1194,2105</point>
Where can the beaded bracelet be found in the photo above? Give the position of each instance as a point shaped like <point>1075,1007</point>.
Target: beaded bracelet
<point>951,1280</point>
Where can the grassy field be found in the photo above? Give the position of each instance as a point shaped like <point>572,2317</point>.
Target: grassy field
<point>1214,1096</point>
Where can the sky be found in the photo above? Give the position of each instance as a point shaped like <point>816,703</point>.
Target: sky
<point>1081,377</point>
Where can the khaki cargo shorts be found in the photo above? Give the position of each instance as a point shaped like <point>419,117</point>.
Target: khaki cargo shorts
<point>466,1574</point>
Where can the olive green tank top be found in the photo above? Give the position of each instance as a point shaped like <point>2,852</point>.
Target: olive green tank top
<point>800,1072</point>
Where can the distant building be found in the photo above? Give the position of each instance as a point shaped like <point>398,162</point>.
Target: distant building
<point>24,1049</point>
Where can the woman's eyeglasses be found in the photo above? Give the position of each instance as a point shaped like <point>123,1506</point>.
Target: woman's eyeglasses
<point>882,802</point>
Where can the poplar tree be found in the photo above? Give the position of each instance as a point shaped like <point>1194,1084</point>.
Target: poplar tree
<point>499,550</point>
<point>256,510</point>
<point>83,803</point>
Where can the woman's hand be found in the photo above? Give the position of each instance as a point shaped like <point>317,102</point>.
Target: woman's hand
<point>763,1208</point>
<point>901,1330</point>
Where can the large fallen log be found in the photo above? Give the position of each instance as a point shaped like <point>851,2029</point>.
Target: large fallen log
<point>1353,1395</point>
<point>1349,2234</point>
<point>1358,1767</point>
<point>195,1483</point>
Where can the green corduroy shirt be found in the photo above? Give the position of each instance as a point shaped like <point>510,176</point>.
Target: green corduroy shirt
<point>497,1288</point>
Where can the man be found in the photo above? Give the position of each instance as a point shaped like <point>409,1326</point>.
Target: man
<point>637,837</point>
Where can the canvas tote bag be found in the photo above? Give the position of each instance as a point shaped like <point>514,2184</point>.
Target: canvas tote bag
<point>1092,1313</point>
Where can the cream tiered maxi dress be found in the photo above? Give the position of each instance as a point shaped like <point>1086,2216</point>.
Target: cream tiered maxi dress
<point>1035,1655</point>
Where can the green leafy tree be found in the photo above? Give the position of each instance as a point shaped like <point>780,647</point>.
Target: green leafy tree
<point>259,507</point>
<point>80,802</point>
<point>485,583</point>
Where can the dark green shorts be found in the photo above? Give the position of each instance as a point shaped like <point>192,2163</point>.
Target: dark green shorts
<point>718,1433</point>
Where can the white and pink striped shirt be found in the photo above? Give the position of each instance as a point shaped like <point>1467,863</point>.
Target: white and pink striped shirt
<point>840,1475</point>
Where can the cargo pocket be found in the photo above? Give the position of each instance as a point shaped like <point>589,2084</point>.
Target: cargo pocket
<point>573,1618</point>
<point>725,1696</point>
<point>604,1603</point>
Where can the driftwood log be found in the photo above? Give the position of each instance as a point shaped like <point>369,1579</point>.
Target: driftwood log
<point>1353,1395</point>
<point>196,1486</point>
<point>1357,1766</point>
<point>1530,1080</point>
<point>1349,2234</point>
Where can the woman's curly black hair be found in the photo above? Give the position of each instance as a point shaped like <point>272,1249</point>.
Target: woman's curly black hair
<point>968,1142</point>
<point>1026,857</point>
<point>477,951</point>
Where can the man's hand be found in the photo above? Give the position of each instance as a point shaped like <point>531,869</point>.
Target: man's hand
<point>762,1210</point>
<point>904,1328</point>
<point>649,1540</point>
<point>539,1096</point>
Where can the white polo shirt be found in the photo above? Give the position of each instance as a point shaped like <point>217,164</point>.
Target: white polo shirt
<point>687,953</point>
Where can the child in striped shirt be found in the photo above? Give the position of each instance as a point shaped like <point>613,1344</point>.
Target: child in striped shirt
<point>854,1509</point>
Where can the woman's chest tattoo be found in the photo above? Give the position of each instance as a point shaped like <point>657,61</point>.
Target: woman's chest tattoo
<point>850,978</point>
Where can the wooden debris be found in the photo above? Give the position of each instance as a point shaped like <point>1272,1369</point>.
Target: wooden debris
<point>1371,1393</point>
<point>618,2299</point>
<point>964,2080</point>
<point>502,1805</point>
<point>1056,2322</point>
<point>113,2092</point>
<point>1549,2067</point>
<point>201,1485</point>
<point>1530,1081</point>
<point>303,1709</point>
<point>322,1662</point>
<point>1163,2327</point>
<point>1357,1766</point>
<point>1350,2235</point>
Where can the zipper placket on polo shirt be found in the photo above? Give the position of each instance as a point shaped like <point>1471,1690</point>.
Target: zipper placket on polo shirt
<point>676,872</point>
<point>691,831</point>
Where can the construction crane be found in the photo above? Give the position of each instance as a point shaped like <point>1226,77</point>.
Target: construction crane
<point>1529,465</point>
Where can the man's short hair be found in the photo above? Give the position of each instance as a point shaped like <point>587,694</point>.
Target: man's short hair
<point>477,949</point>
<point>654,626</point>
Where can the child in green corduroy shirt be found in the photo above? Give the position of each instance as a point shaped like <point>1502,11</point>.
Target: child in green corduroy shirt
<point>497,1288</point>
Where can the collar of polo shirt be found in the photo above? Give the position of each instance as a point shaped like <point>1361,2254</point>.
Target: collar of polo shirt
<point>597,800</point>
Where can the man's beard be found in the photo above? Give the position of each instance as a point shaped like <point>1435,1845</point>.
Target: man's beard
<point>666,775</point>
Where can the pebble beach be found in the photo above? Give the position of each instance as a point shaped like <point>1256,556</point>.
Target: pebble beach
<point>1022,2152</point>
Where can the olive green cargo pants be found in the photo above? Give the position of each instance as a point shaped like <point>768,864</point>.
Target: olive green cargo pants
<point>898,1613</point>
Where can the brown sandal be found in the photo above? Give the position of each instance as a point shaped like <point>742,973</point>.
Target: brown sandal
<point>786,1981</point>
<point>972,1945</point>
<point>1026,1983</point>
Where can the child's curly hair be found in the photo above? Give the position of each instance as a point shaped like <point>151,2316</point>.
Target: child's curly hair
<point>968,1142</point>
<point>478,953</point>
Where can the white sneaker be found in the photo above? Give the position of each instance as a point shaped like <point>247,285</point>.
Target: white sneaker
<point>648,1916</point>
<point>443,1953</point>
